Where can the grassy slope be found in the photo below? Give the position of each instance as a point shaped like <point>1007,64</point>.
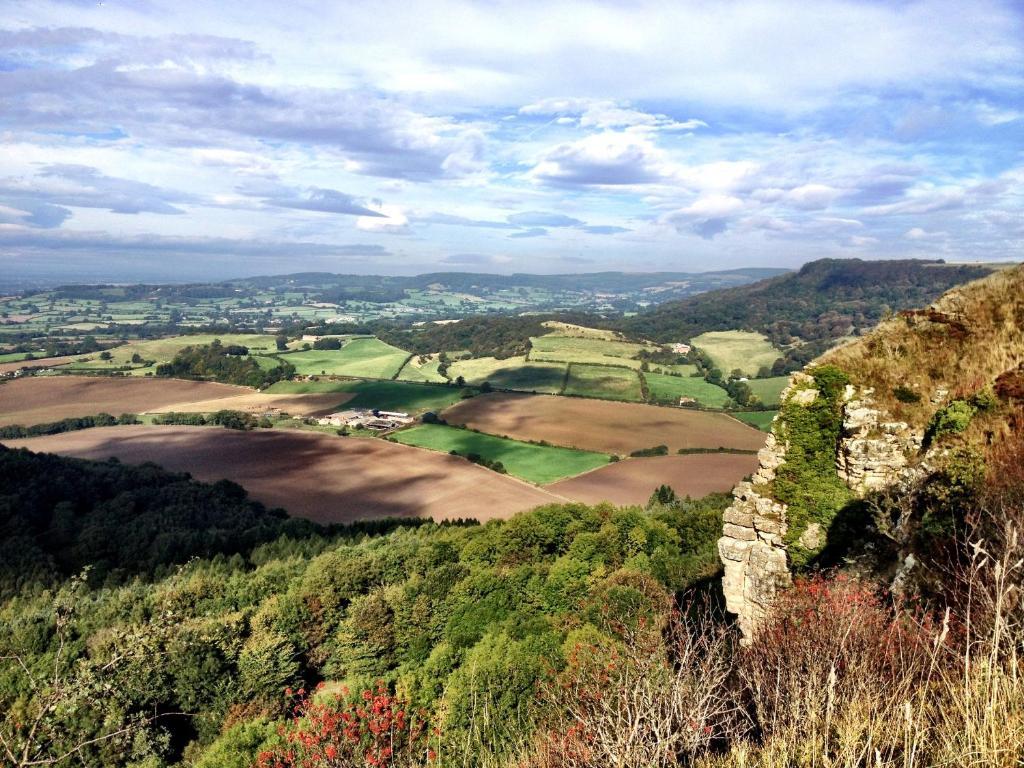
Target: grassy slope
<point>760,419</point>
<point>768,390</point>
<point>738,349</point>
<point>512,373</point>
<point>576,349</point>
<point>663,388</point>
<point>602,381</point>
<point>386,395</point>
<point>163,350</point>
<point>535,463</point>
<point>369,358</point>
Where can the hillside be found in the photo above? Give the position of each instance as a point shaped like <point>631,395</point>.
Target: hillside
<point>882,447</point>
<point>814,307</point>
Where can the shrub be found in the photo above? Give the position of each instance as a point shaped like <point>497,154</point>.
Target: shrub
<point>950,420</point>
<point>658,450</point>
<point>906,394</point>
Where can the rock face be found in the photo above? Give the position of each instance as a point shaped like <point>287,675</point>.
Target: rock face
<point>873,453</point>
<point>751,547</point>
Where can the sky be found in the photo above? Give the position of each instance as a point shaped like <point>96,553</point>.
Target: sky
<point>187,139</point>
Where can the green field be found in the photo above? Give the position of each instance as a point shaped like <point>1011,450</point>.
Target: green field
<point>760,419</point>
<point>511,373</point>
<point>164,350</point>
<point>768,390</point>
<point>668,389</point>
<point>427,371</point>
<point>539,464</point>
<point>737,350</point>
<point>385,395</point>
<point>365,357</point>
<point>604,382</point>
<point>578,349</point>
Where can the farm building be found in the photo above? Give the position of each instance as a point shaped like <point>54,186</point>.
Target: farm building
<point>680,349</point>
<point>378,421</point>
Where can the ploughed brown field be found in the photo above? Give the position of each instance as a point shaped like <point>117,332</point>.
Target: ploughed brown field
<point>42,399</point>
<point>601,425</point>
<point>43,362</point>
<point>320,477</point>
<point>632,481</point>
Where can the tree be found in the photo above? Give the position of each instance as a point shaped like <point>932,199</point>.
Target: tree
<point>281,342</point>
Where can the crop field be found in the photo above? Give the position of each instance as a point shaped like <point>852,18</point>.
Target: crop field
<point>668,389</point>
<point>580,349</point>
<point>43,362</point>
<point>742,350</point>
<point>512,373</point>
<point>632,481</point>
<point>603,381</point>
<point>324,478</point>
<point>760,419</point>
<point>768,390</point>
<point>426,371</point>
<point>260,402</point>
<point>604,426</point>
<point>43,399</point>
<point>534,463</point>
<point>364,357</point>
<point>385,395</point>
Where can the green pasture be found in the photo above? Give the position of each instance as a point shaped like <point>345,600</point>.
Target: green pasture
<point>580,349</point>
<point>760,419</point>
<point>604,382</point>
<point>426,371</point>
<point>386,395</point>
<point>668,389</point>
<point>742,350</point>
<point>539,464</point>
<point>768,390</point>
<point>365,357</point>
<point>516,373</point>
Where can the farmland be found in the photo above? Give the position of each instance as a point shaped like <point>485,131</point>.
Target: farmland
<point>633,480</point>
<point>363,357</point>
<point>738,350</point>
<point>760,419</point>
<point>163,350</point>
<point>511,373</point>
<point>768,390</point>
<point>583,349</point>
<point>44,399</point>
<point>602,426</point>
<point>604,382</point>
<point>533,463</point>
<point>426,371</point>
<point>385,395</point>
<point>325,478</point>
<point>668,389</point>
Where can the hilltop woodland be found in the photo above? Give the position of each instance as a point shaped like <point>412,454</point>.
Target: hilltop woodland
<point>823,302</point>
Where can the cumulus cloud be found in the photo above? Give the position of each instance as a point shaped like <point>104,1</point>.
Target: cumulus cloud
<point>603,159</point>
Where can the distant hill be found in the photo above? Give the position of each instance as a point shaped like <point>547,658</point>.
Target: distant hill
<point>821,303</point>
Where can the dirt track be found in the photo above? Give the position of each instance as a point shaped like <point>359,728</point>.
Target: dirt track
<point>632,481</point>
<point>324,478</point>
<point>601,425</point>
<point>42,399</point>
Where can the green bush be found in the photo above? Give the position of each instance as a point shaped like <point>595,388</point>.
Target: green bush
<point>807,481</point>
<point>953,419</point>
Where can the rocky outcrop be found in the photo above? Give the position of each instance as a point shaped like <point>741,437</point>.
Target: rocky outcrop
<point>873,453</point>
<point>751,547</point>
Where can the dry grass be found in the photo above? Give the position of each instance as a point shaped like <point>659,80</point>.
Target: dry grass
<point>975,333</point>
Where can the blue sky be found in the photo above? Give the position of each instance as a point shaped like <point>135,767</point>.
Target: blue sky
<point>144,139</point>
